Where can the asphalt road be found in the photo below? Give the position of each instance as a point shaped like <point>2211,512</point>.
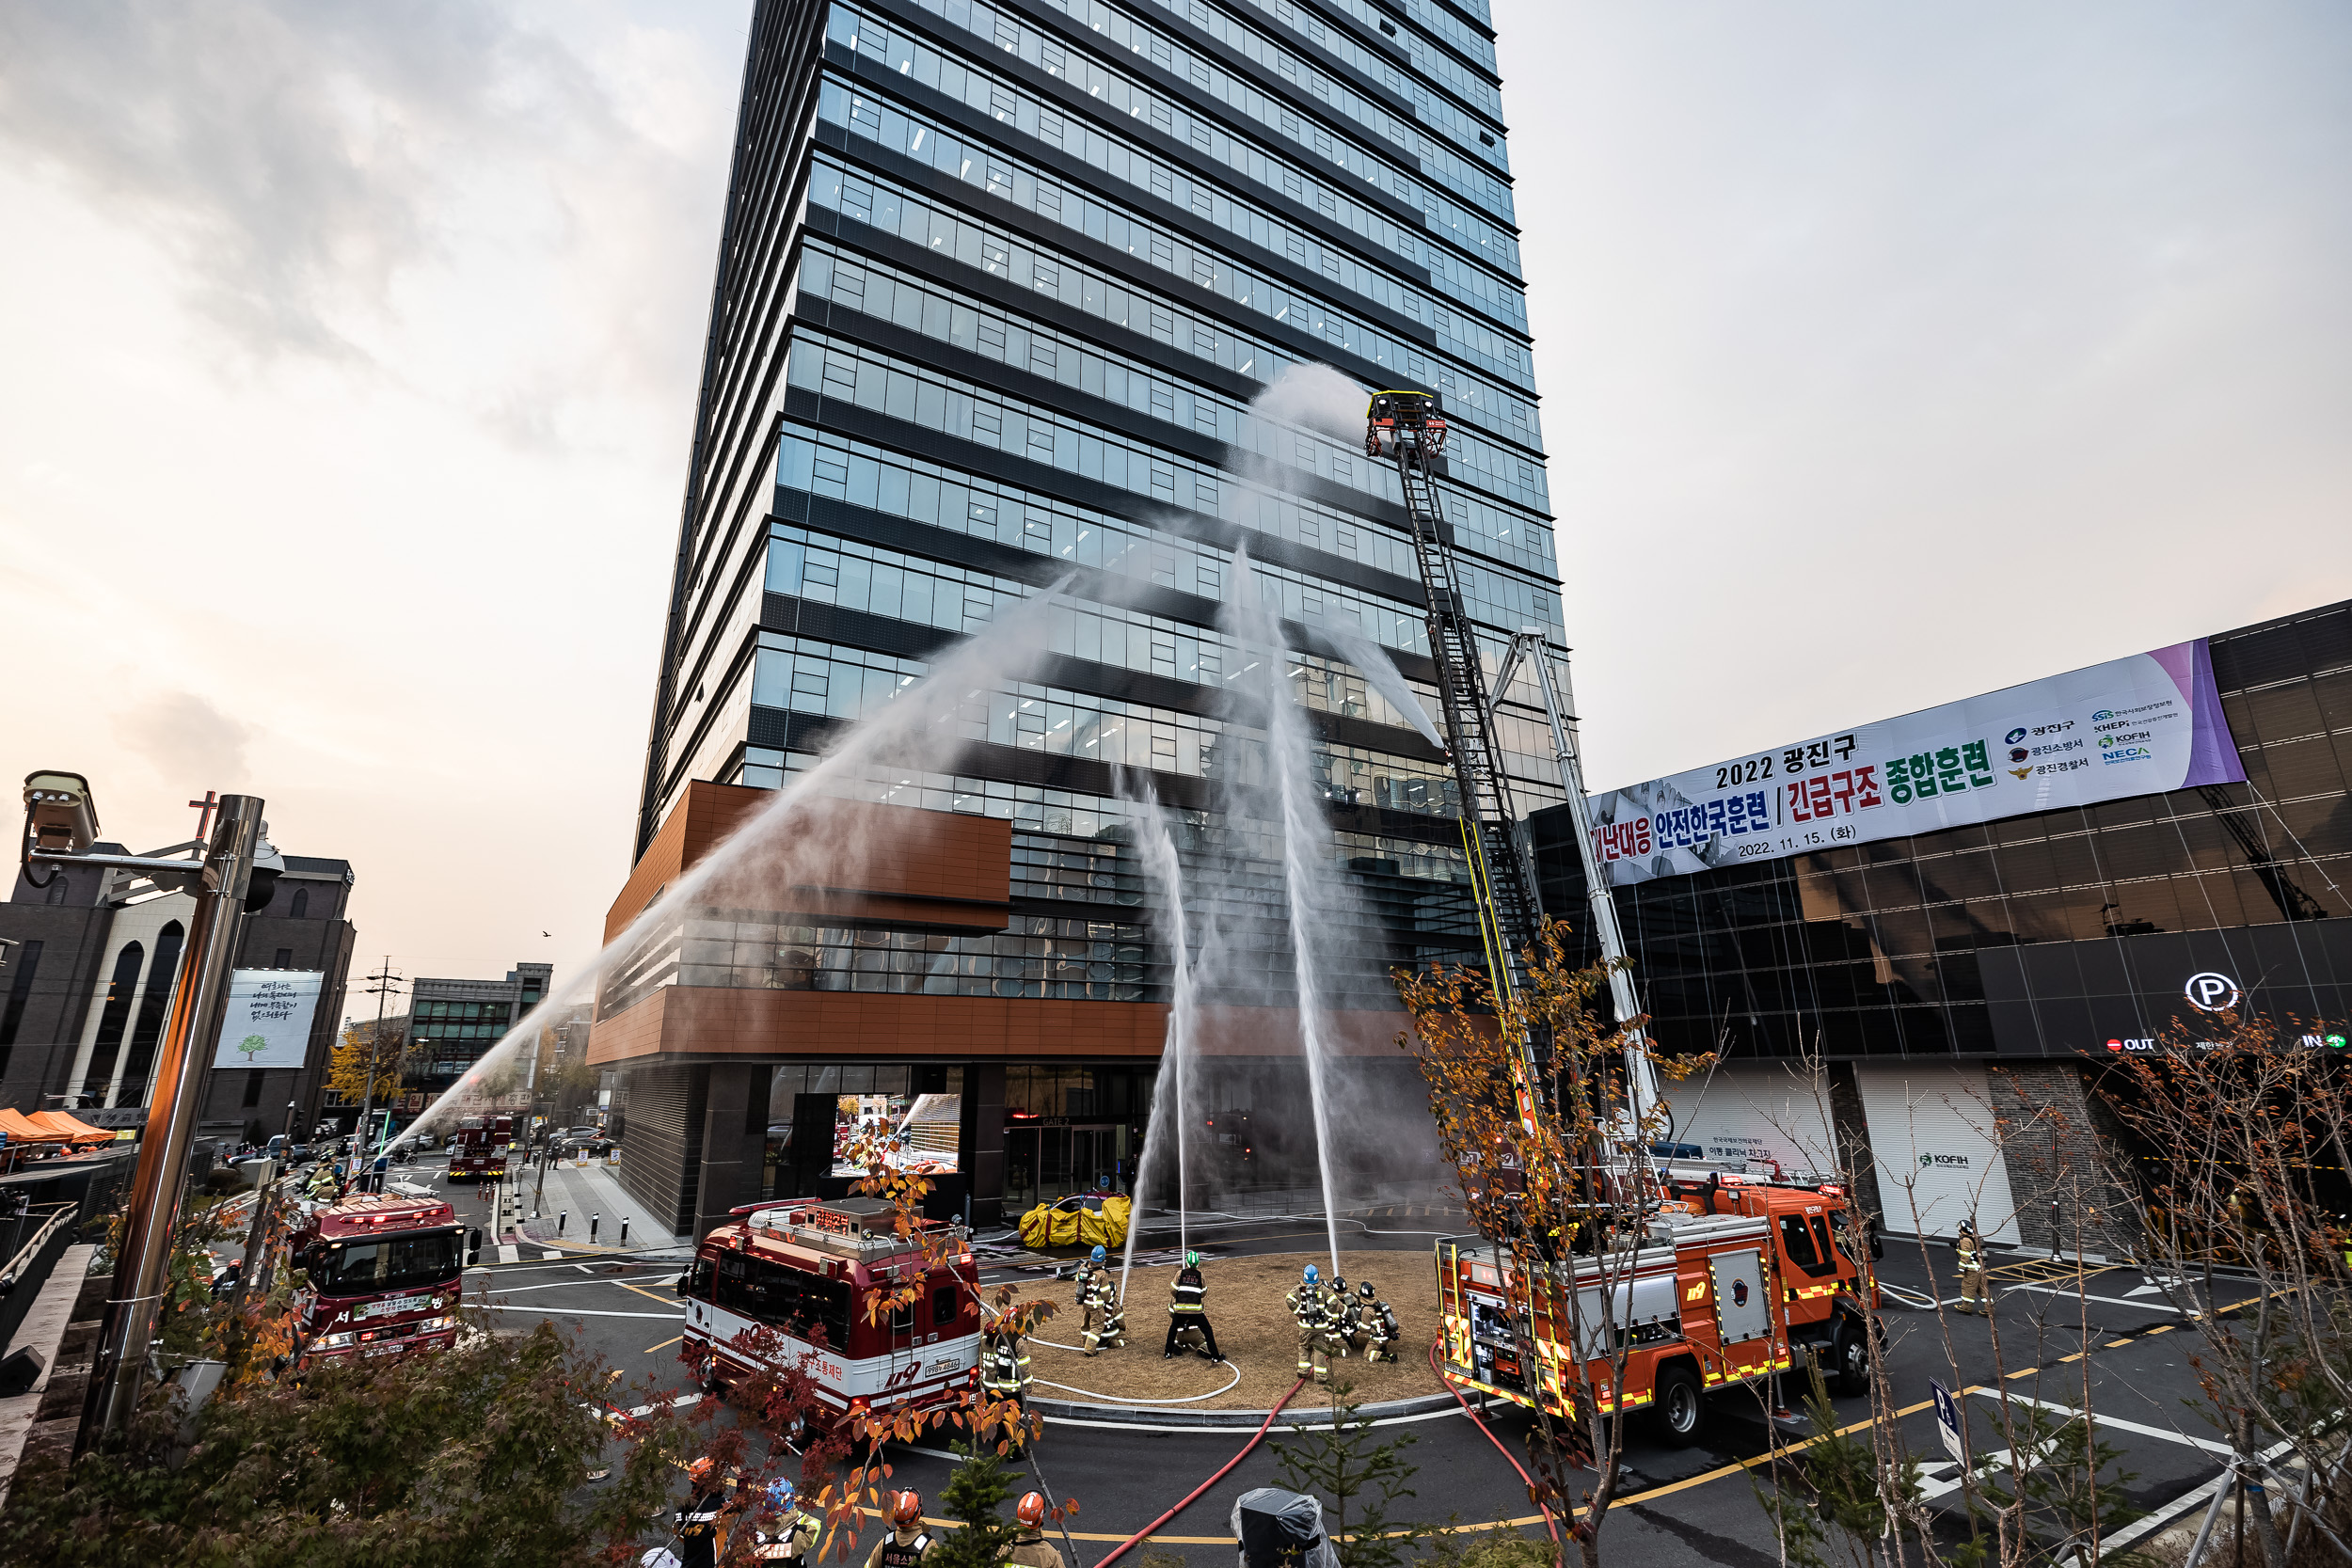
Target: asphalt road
<point>1685,1506</point>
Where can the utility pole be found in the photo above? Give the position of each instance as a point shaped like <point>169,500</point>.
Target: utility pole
<point>387,984</point>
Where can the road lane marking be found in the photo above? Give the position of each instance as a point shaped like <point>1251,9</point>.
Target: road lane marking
<point>664,1345</point>
<point>2168,1433</point>
<point>2112,1301</point>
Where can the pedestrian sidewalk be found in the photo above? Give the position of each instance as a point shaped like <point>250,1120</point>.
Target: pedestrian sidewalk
<point>576,1202</point>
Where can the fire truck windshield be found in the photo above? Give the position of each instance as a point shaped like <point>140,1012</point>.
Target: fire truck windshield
<point>406,1263</point>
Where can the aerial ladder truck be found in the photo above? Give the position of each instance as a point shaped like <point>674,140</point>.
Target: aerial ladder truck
<point>1730,1281</point>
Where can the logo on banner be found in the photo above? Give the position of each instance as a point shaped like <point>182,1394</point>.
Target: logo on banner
<point>1959,1161</point>
<point>2210,992</point>
<point>2143,1044</point>
<point>2015,736</point>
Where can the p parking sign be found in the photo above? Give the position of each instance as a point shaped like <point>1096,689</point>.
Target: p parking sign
<point>1948,1421</point>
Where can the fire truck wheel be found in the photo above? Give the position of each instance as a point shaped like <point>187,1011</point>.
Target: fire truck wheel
<point>1680,1409</point>
<point>1849,1360</point>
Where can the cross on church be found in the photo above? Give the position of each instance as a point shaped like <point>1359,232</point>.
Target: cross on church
<point>204,810</point>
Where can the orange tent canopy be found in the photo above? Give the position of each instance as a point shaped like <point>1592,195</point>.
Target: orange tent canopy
<point>23,1130</point>
<point>72,1127</point>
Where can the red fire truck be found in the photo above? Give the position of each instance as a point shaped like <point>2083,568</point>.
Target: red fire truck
<point>477,1150</point>
<point>1733,1283</point>
<point>800,1268</point>
<point>384,1278</point>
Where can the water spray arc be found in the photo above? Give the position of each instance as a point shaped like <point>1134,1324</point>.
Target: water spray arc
<point>1003,650</point>
<point>1172,1105</point>
<point>1258,632</point>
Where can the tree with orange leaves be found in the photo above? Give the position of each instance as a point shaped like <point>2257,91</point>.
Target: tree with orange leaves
<point>1529,1089</point>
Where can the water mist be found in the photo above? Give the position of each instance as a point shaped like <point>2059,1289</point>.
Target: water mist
<point>1256,632</point>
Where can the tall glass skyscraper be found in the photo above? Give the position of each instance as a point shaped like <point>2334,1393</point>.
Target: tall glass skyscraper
<point>999,282</point>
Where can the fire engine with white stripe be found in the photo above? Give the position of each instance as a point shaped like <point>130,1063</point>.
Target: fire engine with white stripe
<point>805,1269</point>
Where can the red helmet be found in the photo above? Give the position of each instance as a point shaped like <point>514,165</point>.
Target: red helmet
<point>906,1508</point>
<point>702,1469</point>
<point>1030,1509</point>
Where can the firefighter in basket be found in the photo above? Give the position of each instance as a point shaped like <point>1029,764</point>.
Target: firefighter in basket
<point>792,1534</point>
<point>1975,1296</point>
<point>1188,1314</point>
<point>1106,1320</point>
<point>1373,1326</point>
<point>1030,1549</point>
<point>908,1542</point>
<point>1310,1308</point>
<point>1400,421</point>
<point>1005,1367</point>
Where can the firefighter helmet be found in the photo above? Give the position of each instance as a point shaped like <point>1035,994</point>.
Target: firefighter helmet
<point>1366,1290</point>
<point>1096,1256</point>
<point>906,1508</point>
<point>702,1469</point>
<point>780,1496</point>
<point>1192,1260</point>
<point>1310,1277</point>
<point>1030,1509</point>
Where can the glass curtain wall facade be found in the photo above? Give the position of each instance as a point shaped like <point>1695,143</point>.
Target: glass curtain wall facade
<point>2048,934</point>
<point>998,284</point>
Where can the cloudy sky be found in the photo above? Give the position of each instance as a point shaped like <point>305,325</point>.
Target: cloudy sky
<point>1889,354</point>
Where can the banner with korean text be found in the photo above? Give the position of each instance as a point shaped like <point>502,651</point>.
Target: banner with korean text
<point>2131,726</point>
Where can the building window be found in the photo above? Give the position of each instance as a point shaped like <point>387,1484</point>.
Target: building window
<point>150,1028</point>
<point>112,1020</point>
<point>252,1091</point>
<point>285,959</point>
<point>301,904</point>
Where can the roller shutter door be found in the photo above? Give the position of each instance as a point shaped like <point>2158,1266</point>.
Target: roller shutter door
<point>1938,1163</point>
<point>1759,1111</point>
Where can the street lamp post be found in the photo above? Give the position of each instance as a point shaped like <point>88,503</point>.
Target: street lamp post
<point>221,881</point>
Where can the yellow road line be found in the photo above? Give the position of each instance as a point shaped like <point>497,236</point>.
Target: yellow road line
<point>664,1345</point>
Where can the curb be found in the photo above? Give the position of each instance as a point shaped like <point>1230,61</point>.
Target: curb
<point>1243,1421</point>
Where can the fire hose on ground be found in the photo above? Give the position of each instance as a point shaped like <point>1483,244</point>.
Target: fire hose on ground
<point>1116,1552</point>
<point>1549,1523</point>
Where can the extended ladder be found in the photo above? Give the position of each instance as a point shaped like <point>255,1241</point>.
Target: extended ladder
<point>1501,878</point>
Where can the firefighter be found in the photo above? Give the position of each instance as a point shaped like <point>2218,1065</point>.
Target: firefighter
<point>698,1517</point>
<point>1309,1307</point>
<point>1030,1549</point>
<point>907,1543</point>
<point>1106,1320</point>
<point>1005,1366</point>
<point>1188,1314</point>
<point>1093,1264</point>
<point>793,1534</point>
<point>1974,1294</point>
<point>1375,1324</point>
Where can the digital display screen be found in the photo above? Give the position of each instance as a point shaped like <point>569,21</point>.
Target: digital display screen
<point>913,1133</point>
